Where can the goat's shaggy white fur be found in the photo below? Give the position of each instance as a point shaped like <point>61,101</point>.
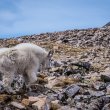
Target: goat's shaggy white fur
<point>23,59</point>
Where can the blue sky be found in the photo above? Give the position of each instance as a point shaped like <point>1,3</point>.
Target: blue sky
<point>26,17</point>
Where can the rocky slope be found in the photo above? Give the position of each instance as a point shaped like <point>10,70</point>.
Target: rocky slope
<point>79,78</point>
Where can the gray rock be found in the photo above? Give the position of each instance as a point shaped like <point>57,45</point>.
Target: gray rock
<point>96,93</point>
<point>85,65</point>
<point>56,63</point>
<point>105,78</point>
<point>99,103</point>
<point>106,107</point>
<point>108,89</point>
<point>18,105</point>
<point>1,87</point>
<point>99,86</point>
<point>63,98</point>
<point>82,98</point>
<point>81,106</point>
<point>67,108</point>
<point>72,90</point>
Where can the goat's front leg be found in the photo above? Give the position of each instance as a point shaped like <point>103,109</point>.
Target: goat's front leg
<point>7,81</point>
<point>32,77</point>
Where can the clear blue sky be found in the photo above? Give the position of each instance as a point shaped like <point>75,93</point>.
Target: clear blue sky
<point>25,17</point>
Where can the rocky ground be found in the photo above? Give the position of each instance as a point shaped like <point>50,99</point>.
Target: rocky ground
<point>79,78</point>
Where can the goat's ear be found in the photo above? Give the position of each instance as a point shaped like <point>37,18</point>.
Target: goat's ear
<point>50,53</point>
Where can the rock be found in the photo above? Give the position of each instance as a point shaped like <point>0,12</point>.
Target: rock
<point>33,99</point>
<point>18,105</point>
<point>83,85</point>
<point>105,78</point>
<point>63,98</point>
<point>78,77</point>
<point>38,88</point>
<point>96,93</point>
<point>65,40</point>
<point>85,65</point>
<point>52,95</point>
<point>99,103</point>
<point>29,93</point>
<point>25,102</point>
<point>1,87</point>
<point>56,63</point>
<point>67,108</point>
<point>5,97</point>
<point>42,75</point>
<point>106,107</point>
<point>41,104</point>
<point>108,89</point>
<point>72,90</point>
<point>69,80</point>
<point>7,108</point>
<point>80,106</point>
<point>60,81</point>
<point>68,72</point>
<point>42,80</point>
<point>51,82</point>
<point>55,105</point>
<point>94,78</point>
<point>56,69</point>
<point>84,98</point>
<point>99,86</point>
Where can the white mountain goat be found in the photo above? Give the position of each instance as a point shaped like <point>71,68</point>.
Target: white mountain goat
<point>25,59</point>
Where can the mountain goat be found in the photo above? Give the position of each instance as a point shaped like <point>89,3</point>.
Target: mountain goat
<point>25,59</point>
